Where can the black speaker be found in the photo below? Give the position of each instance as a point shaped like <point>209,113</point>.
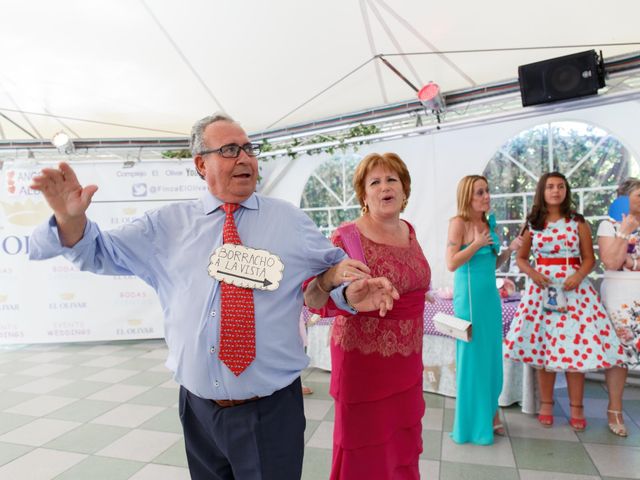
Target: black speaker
<point>561,78</point>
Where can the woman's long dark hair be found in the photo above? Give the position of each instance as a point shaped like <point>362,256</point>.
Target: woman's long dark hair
<point>537,218</point>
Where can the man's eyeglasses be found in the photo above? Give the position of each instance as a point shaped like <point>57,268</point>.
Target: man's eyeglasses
<point>233,150</point>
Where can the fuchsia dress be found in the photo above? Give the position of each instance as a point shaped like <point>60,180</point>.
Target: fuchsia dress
<point>376,377</point>
<point>580,339</point>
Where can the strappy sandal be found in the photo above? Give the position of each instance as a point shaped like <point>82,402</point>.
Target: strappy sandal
<point>578,424</point>
<point>546,420</point>
<point>618,428</point>
<point>498,429</point>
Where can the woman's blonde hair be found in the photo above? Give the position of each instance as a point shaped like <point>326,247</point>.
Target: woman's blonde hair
<point>465,196</point>
<point>390,161</point>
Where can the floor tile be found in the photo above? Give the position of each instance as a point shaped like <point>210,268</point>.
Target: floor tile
<point>38,432</point>
<point>11,451</point>
<point>128,415</point>
<point>159,354</point>
<point>105,361</point>
<point>82,410</point>
<point>47,357</point>
<point>312,426</point>
<point>77,372</point>
<point>162,397</point>
<point>42,385</point>
<point>318,376</point>
<point>140,364</point>
<point>101,468</point>
<point>102,350</point>
<point>174,455</point>
<point>161,472</point>
<point>41,463</point>
<point>447,421</point>
<point>141,445</point>
<point>315,409</point>
<point>323,436</point>
<point>615,461</point>
<point>523,425</point>
<point>320,390</point>
<point>11,381</point>
<point>542,475</point>
<point>433,418</point>
<point>9,421</point>
<point>14,367</point>
<point>79,389</point>
<point>331,414</point>
<point>316,464</point>
<point>44,370</point>
<point>598,432</point>
<point>149,379</point>
<point>112,375</point>
<point>466,471</point>
<point>431,444</point>
<point>166,421</point>
<point>429,469</point>
<point>170,384</point>
<point>40,405</point>
<point>87,438</point>
<point>552,455</point>
<point>499,454</point>
<point>118,393</point>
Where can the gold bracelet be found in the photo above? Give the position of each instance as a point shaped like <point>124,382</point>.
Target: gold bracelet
<point>320,286</point>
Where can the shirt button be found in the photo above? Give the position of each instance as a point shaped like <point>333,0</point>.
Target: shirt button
<point>216,383</point>
<point>212,349</point>
<point>213,314</point>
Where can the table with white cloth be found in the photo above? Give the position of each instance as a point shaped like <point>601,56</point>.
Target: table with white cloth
<point>438,355</point>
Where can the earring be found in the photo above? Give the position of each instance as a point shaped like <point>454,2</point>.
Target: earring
<point>405,201</point>
<point>364,210</point>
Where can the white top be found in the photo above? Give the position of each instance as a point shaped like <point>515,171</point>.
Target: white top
<point>608,228</point>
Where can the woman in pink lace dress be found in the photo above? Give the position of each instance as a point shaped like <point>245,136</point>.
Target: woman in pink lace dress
<point>376,377</point>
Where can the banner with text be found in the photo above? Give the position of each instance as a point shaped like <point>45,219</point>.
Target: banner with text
<point>52,301</point>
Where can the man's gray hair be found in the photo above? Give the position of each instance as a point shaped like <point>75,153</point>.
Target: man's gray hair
<point>628,186</point>
<point>196,142</point>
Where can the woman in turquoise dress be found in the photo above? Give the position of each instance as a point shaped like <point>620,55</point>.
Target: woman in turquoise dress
<point>473,252</point>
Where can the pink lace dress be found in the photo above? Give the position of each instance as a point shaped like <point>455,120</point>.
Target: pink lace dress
<point>376,377</point>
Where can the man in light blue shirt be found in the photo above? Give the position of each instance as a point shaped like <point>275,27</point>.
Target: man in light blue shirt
<point>246,426</point>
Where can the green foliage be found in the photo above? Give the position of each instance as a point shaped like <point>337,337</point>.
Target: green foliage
<point>331,149</point>
<point>184,153</point>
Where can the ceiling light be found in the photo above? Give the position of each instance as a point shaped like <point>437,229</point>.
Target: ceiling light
<point>63,143</point>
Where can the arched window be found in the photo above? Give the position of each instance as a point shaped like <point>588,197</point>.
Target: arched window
<point>593,160</point>
<point>328,197</point>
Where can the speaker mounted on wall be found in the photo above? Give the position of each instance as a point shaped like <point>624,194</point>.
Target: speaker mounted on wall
<point>561,78</point>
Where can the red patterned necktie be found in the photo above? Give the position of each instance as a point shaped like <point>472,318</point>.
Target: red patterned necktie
<point>237,324</point>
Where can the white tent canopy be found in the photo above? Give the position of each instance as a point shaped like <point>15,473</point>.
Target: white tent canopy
<point>149,68</point>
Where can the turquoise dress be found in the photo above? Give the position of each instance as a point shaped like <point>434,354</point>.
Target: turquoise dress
<point>479,362</point>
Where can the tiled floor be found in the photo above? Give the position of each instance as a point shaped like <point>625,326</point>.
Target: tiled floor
<point>108,411</point>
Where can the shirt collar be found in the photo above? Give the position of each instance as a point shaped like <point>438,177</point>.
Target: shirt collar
<point>211,203</point>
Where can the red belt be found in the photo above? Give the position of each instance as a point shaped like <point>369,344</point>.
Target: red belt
<point>559,261</point>
<point>233,403</point>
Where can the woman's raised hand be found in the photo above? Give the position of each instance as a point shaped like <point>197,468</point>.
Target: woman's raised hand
<point>629,224</point>
<point>62,191</point>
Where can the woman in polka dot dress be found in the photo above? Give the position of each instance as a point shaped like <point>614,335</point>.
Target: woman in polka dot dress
<point>578,339</point>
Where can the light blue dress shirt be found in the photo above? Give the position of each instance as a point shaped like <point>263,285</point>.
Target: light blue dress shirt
<point>169,248</point>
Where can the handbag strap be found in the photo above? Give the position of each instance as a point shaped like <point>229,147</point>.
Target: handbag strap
<point>469,287</point>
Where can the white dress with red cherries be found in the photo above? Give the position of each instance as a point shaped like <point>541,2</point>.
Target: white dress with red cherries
<point>580,339</point>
